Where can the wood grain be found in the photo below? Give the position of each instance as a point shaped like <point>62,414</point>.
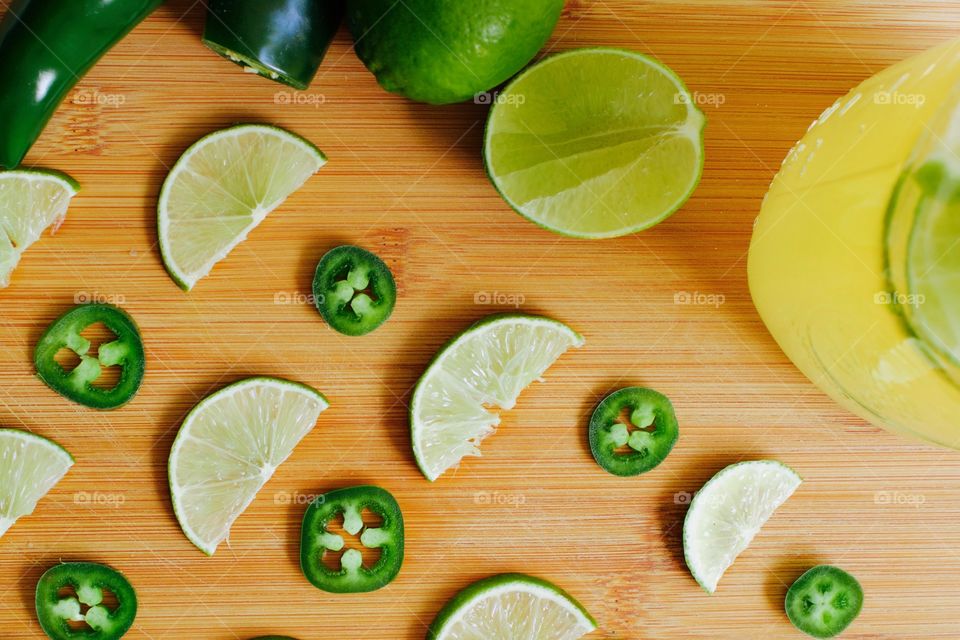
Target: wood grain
<point>406,181</point>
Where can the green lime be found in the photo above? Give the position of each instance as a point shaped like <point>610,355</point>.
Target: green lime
<point>595,143</point>
<point>488,365</point>
<point>222,188</point>
<point>933,260</point>
<point>29,467</point>
<point>229,446</point>
<point>512,605</point>
<point>30,202</point>
<point>444,51</point>
<point>729,511</point>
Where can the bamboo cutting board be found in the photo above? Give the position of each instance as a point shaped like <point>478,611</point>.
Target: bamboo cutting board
<point>406,181</point>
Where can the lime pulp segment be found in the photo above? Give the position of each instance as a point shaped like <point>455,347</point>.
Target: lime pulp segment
<point>595,143</point>
<point>30,202</point>
<point>488,365</point>
<point>726,514</point>
<point>222,188</point>
<point>512,606</point>
<point>228,448</point>
<point>29,467</point>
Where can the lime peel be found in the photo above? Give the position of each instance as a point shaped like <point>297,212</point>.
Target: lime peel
<point>30,466</point>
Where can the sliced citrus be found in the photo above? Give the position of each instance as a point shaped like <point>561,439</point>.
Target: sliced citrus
<point>29,467</point>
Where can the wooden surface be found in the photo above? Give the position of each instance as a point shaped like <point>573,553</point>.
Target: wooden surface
<point>406,180</point>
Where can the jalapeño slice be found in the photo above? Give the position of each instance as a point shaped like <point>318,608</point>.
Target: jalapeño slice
<point>824,601</point>
<point>316,540</point>
<point>73,592</point>
<point>126,352</point>
<point>354,290</point>
<point>632,431</point>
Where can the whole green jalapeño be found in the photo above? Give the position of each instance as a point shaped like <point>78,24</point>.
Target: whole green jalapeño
<point>632,431</point>
<point>316,540</point>
<point>126,352</point>
<point>73,592</point>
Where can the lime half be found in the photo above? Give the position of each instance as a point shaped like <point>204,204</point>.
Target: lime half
<point>513,606</point>
<point>29,467</point>
<point>729,511</point>
<point>229,446</point>
<point>488,365</point>
<point>595,143</point>
<point>30,202</point>
<point>222,188</point>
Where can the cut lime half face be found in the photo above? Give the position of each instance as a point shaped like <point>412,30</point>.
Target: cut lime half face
<point>30,202</point>
<point>228,448</point>
<point>729,511</point>
<point>222,188</point>
<point>488,365</point>
<point>595,143</point>
<point>513,606</point>
<point>29,467</point>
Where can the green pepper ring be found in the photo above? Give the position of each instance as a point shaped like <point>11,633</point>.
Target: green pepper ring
<point>391,537</point>
<point>82,577</point>
<point>653,448</point>
<point>342,276</point>
<point>64,332</point>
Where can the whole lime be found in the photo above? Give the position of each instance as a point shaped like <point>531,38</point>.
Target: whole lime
<point>445,51</point>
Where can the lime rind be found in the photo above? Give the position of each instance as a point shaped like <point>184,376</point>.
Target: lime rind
<point>724,516</point>
<point>449,414</point>
<point>264,453</point>
<point>252,213</point>
<point>21,497</point>
<point>692,129</point>
<point>22,222</point>
<point>457,609</point>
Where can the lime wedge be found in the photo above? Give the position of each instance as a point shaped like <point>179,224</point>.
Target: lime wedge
<point>229,446</point>
<point>30,201</point>
<point>933,261</point>
<point>222,188</point>
<point>29,467</point>
<point>513,606</point>
<point>488,365</point>
<point>729,511</point>
<point>595,143</point>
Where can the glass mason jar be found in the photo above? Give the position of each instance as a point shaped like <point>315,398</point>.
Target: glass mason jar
<point>854,264</point>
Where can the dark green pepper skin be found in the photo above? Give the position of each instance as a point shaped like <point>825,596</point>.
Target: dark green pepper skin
<point>388,537</point>
<point>284,40</point>
<point>126,352</point>
<point>354,290</point>
<point>648,446</point>
<point>88,580</point>
<point>46,46</point>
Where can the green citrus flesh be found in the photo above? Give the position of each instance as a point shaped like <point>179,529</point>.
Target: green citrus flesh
<point>512,606</point>
<point>222,188</point>
<point>729,511</point>
<point>488,365</point>
<point>933,260</point>
<point>445,51</point>
<point>30,202</point>
<point>595,143</point>
<point>228,448</point>
<point>29,467</point>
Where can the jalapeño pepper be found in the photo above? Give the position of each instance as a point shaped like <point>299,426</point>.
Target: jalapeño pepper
<point>46,46</point>
<point>284,40</point>
<point>354,290</point>
<point>74,592</point>
<point>125,352</point>
<point>625,452</point>
<point>316,540</point>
